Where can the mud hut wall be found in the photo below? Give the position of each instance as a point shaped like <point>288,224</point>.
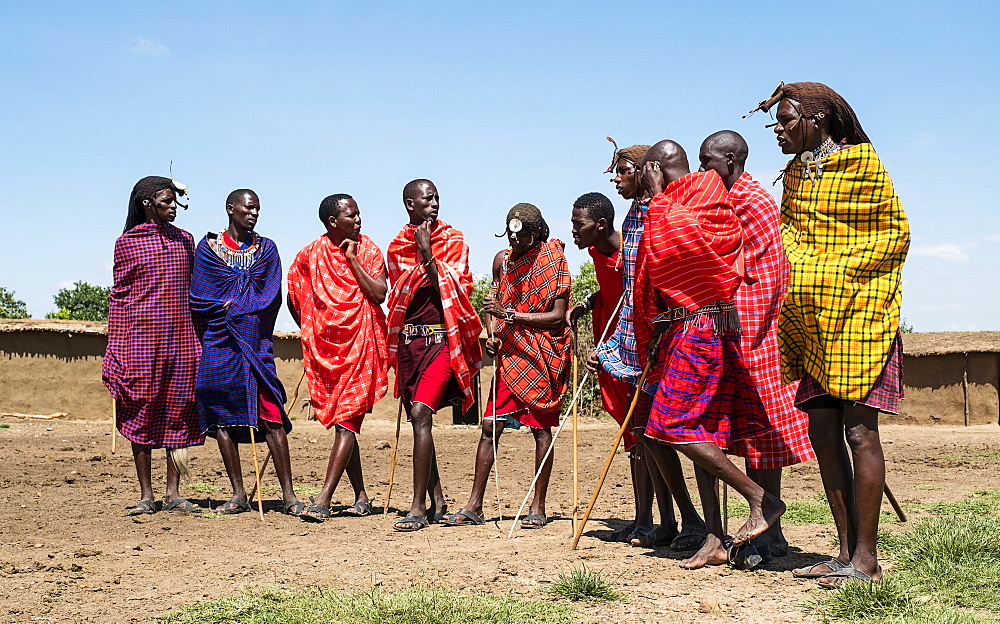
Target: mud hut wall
<point>44,371</point>
<point>933,385</point>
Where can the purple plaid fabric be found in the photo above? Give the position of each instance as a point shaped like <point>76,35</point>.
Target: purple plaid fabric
<point>238,307</point>
<point>618,353</point>
<point>149,364</point>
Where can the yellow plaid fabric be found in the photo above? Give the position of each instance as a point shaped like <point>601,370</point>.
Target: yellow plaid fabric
<point>846,237</point>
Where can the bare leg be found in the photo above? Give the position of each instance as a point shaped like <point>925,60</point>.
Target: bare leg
<point>174,480</point>
<point>231,460</point>
<point>434,488</point>
<point>764,508</point>
<point>421,419</point>
<point>356,475</point>
<point>143,458</point>
<point>826,432</point>
<point>341,455</point>
<point>770,480</point>
<point>861,427</point>
<point>642,488</point>
<point>664,501</point>
<point>668,464</point>
<point>277,442</point>
<point>543,438</point>
<point>712,552</point>
<point>484,463</point>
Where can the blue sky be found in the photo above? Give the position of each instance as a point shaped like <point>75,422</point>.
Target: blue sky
<point>497,103</point>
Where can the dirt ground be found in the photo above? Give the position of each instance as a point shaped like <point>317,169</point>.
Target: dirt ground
<point>67,554</point>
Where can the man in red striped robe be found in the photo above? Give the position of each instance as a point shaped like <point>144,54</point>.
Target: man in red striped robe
<point>758,302</point>
<point>688,271</point>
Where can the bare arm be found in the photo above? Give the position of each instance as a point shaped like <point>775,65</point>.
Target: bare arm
<point>552,319</point>
<point>422,235</point>
<point>492,343</point>
<point>292,310</point>
<point>375,288</point>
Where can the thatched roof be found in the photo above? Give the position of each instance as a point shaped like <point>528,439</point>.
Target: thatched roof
<point>942,343</point>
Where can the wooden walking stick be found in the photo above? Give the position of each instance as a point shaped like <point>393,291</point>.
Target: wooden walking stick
<point>614,448</point>
<point>392,462</point>
<point>895,505</point>
<point>114,425</point>
<point>267,458</point>
<point>725,508</point>
<point>256,469</point>
<point>562,422</point>
<point>576,427</point>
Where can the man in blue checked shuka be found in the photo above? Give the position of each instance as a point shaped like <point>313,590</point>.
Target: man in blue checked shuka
<point>235,298</point>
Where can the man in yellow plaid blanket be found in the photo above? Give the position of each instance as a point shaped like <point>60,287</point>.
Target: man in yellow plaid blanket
<point>846,238</point>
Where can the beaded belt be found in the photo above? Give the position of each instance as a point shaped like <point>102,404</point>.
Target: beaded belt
<point>414,331</point>
<point>679,313</point>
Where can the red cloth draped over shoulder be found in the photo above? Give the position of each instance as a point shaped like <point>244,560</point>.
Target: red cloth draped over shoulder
<point>688,251</point>
<point>407,274</point>
<point>534,361</point>
<point>343,332</point>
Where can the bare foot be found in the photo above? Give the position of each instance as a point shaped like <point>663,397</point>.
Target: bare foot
<point>760,518</point>
<point>711,553</point>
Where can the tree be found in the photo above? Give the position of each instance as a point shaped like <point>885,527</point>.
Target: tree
<point>10,306</point>
<point>83,302</point>
<point>483,283</point>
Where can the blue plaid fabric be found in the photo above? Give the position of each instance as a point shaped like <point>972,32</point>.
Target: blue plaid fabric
<point>618,353</point>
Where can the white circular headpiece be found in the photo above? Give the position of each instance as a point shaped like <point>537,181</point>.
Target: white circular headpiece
<point>515,225</point>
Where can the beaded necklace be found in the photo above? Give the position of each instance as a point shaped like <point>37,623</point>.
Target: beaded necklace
<point>238,258</point>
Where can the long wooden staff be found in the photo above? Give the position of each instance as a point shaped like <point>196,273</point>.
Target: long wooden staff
<point>895,505</point>
<point>114,425</point>
<point>562,422</point>
<point>256,469</point>
<point>494,288</point>
<point>614,448</point>
<point>267,457</point>
<point>392,462</point>
<point>576,428</point>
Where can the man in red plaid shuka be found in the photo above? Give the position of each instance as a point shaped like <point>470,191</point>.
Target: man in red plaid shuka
<point>433,335</point>
<point>758,302</point>
<point>705,402</point>
<point>531,342</point>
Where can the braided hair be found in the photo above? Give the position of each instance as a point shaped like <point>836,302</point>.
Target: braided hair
<point>816,99</point>
<point>531,217</point>
<point>632,154</point>
<point>144,189</point>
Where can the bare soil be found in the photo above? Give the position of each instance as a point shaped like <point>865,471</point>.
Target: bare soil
<point>67,553</point>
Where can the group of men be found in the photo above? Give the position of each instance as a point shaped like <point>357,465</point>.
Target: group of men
<point>723,326</point>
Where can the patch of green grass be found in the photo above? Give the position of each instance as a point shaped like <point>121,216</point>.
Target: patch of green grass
<point>4,426</point>
<point>946,571</point>
<point>584,584</point>
<point>408,606</point>
<point>204,488</point>
<point>990,454</point>
<point>926,486</point>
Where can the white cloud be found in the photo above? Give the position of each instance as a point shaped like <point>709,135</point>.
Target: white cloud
<point>65,284</point>
<point>922,138</point>
<point>964,327</point>
<point>944,306</point>
<point>950,252</point>
<point>148,47</point>
<point>992,238</point>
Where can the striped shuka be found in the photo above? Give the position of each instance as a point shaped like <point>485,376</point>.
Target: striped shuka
<point>343,332</point>
<point>846,237</point>
<point>758,302</point>
<point>152,352</point>
<point>407,274</point>
<point>687,260</point>
<point>534,361</point>
<point>237,306</point>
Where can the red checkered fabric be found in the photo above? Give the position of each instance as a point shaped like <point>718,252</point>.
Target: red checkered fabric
<point>759,301</point>
<point>407,274</point>
<point>534,361</point>
<point>343,332</point>
<point>688,251</point>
